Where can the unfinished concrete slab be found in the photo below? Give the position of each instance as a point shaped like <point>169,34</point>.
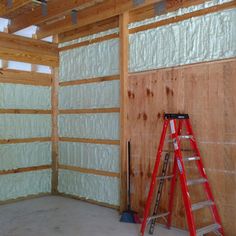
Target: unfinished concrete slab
<point>54,216</point>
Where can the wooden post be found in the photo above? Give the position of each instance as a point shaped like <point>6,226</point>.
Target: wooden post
<point>124,48</point>
<point>34,67</point>
<point>55,138</point>
<point>5,62</point>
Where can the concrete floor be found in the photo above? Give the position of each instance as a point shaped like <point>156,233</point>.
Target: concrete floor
<point>56,216</point>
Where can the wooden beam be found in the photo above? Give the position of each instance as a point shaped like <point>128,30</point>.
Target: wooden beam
<point>25,77</point>
<point>24,140</point>
<point>25,169</point>
<point>16,4</point>
<point>90,111</point>
<point>5,62</point>
<point>24,111</point>
<point>213,9</point>
<point>55,9</point>
<point>86,43</point>
<point>102,11</point>
<point>28,50</point>
<point>55,137</point>
<point>124,48</point>
<point>90,171</point>
<point>94,28</point>
<point>88,81</point>
<point>86,140</point>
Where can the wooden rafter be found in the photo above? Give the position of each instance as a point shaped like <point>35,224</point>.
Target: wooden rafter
<point>5,10</point>
<point>29,50</point>
<point>102,11</point>
<point>55,9</point>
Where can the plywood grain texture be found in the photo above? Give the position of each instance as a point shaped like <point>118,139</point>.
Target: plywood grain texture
<point>206,92</point>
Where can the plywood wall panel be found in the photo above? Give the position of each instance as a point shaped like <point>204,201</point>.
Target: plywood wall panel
<point>206,92</point>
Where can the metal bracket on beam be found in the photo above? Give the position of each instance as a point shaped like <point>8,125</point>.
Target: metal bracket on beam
<point>9,3</point>
<point>44,7</point>
<point>160,8</point>
<point>74,17</point>
<point>138,2</point>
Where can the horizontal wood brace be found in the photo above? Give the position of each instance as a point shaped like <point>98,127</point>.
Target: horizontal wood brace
<point>92,110</point>
<point>91,80</point>
<point>88,42</point>
<point>24,111</point>
<point>25,140</point>
<point>95,141</point>
<point>90,171</point>
<point>24,169</point>
<point>146,72</point>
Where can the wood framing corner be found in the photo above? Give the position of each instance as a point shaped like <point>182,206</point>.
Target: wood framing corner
<point>55,138</point>
<point>124,47</point>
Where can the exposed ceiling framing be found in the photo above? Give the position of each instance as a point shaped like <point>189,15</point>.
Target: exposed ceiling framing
<point>5,11</point>
<point>55,10</point>
<point>92,15</point>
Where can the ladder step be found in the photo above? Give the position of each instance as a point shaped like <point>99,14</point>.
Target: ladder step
<point>196,181</point>
<point>158,216</point>
<point>165,177</point>
<point>191,158</point>
<point>201,205</point>
<point>208,229</point>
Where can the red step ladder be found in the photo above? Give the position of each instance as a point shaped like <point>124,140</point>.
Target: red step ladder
<point>176,123</point>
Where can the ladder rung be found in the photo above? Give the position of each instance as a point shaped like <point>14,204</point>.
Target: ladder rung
<point>158,216</point>
<point>196,181</point>
<point>208,229</point>
<point>200,205</point>
<point>191,158</point>
<point>165,177</point>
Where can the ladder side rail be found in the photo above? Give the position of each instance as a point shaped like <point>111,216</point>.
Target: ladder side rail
<point>159,193</point>
<point>201,168</point>
<point>172,191</point>
<point>173,182</point>
<point>154,175</point>
<point>183,181</point>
